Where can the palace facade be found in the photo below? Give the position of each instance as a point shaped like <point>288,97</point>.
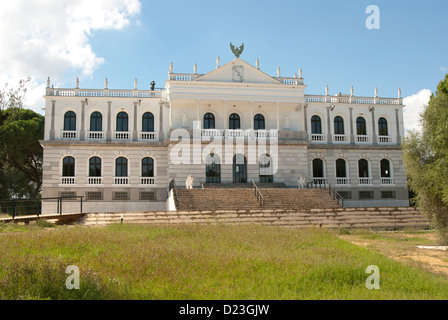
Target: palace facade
<point>120,149</point>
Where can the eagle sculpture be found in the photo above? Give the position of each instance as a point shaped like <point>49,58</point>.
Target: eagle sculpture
<point>238,50</point>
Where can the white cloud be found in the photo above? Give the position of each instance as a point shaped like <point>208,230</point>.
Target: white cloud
<point>414,106</point>
<point>444,69</point>
<point>50,37</point>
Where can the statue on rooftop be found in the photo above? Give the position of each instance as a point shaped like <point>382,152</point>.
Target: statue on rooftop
<point>237,51</point>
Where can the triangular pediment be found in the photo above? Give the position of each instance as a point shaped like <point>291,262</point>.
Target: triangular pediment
<point>238,71</point>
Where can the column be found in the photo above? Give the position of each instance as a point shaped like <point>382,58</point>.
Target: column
<point>373,126</point>
<point>397,119</point>
<point>278,119</point>
<point>225,115</point>
<point>328,126</point>
<point>252,115</point>
<point>305,119</point>
<point>82,132</point>
<point>352,136</point>
<point>53,107</point>
<point>197,111</point>
<point>134,132</point>
<point>161,135</point>
<point>109,115</point>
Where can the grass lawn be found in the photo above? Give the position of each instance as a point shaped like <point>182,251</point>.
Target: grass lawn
<point>201,262</point>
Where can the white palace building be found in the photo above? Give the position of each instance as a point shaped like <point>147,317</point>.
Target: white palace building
<point>120,149</point>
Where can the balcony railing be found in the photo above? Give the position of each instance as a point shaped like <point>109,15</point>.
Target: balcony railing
<point>69,135</point>
<point>156,93</point>
<point>365,181</point>
<point>239,133</point>
<point>148,180</point>
<point>387,181</point>
<point>95,135</point>
<point>341,138</point>
<point>148,136</point>
<point>122,135</point>
<point>384,139</point>
<point>353,100</point>
<point>363,139</point>
<point>95,180</point>
<point>121,180</point>
<point>342,181</point>
<point>314,137</point>
<point>67,180</point>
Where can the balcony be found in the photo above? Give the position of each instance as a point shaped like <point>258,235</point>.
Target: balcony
<point>341,138</point>
<point>239,133</point>
<point>365,181</point>
<point>95,135</point>
<point>387,181</point>
<point>363,139</point>
<point>69,135</point>
<point>122,135</point>
<point>342,181</point>
<point>148,181</point>
<point>148,136</point>
<point>121,180</point>
<point>322,138</point>
<point>384,139</point>
<point>67,180</point>
<point>95,180</point>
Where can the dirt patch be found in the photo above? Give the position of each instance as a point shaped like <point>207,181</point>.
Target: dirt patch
<point>402,246</point>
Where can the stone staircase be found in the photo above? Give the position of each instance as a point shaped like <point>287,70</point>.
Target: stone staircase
<point>373,218</point>
<point>242,197</point>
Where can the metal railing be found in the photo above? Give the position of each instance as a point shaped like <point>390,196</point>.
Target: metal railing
<point>30,207</point>
<point>258,194</point>
<point>322,184</point>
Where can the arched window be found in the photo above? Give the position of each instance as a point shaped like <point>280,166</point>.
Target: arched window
<point>234,121</point>
<point>318,168</point>
<point>363,168</point>
<point>212,169</point>
<point>341,168</point>
<point>209,121</point>
<point>68,167</point>
<point>316,125</point>
<point>266,168</point>
<point>96,121</point>
<point>69,121</point>
<point>259,122</point>
<point>148,167</point>
<point>361,129</point>
<point>385,168</point>
<point>382,127</point>
<point>147,122</point>
<point>338,125</point>
<point>121,167</point>
<point>122,122</point>
<point>94,167</point>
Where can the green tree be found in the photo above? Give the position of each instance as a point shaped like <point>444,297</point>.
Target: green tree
<point>426,160</point>
<point>20,150</point>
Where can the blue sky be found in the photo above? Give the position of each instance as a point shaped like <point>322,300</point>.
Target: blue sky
<point>328,39</point>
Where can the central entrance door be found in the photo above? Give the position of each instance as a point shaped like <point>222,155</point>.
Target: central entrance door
<point>239,169</point>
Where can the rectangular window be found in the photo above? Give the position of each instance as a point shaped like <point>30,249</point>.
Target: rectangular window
<point>365,195</point>
<point>120,195</point>
<point>345,194</point>
<point>67,194</point>
<point>388,194</point>
<point>94,195</point>
<point>147,195</point>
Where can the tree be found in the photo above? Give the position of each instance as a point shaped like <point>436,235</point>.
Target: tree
<point>426,159</point>
<point>20,150</point>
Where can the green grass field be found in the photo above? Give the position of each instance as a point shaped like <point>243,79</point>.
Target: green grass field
<point>200,262</point>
